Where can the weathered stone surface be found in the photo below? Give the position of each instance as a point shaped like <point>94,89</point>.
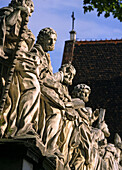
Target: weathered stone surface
<point>53,129</point>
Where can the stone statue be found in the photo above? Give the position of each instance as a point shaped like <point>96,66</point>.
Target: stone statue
<point>56,98</point>
<point>99,141</point>
<point>35,67</point>
<point>118,145</point>
<point>12,19</point>
<point>36,104</point>
<point>45,42</point>
<point>21,41</point>
<point>105,155</point>
<point>81,155</point>
<point>14,36</point>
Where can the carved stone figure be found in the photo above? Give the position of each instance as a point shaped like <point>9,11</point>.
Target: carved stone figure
<point>32,68</point>
<point>56,97</point>
<point>21,41</point>
<point>45,42</point>
<point>106,155</point>
<point>35,103</point>
<point>81,154</point>
<point>99,141</point>
<point>12,19</point>
<point>111,153</point>
<point>68,113</point>
<point>118,145</point>
<point>14,36</point>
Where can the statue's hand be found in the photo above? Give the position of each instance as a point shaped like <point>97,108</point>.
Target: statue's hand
<point>78,103</point>
<point>96,113</point>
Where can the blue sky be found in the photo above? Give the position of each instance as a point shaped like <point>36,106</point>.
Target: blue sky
<point>57,14</point>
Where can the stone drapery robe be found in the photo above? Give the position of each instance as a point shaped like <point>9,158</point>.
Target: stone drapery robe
<point>81,155</point>
<point>24,94</point>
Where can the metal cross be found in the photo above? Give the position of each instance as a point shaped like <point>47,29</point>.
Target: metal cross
<point>73,18</point>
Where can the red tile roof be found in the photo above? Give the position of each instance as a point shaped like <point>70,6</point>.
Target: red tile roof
<point>99,64</point>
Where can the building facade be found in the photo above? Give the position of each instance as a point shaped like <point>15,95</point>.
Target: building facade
<point>99,65</point>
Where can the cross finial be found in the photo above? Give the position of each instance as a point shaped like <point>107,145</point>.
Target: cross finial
<point>72,32</point>
<point>73,18</point>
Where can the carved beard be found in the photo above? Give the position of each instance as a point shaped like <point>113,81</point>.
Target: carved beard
<point>49,48</point>
<point>67,81</point>
<point>86,99</point>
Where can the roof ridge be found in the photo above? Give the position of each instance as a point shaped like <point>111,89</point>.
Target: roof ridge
<point>100,41</point>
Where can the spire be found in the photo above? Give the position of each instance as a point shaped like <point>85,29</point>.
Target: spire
<point>72,32</point>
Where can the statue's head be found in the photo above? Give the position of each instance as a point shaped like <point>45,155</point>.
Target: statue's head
<point>81,91</point>
<point>69,73</point>
<point>118,141</point>
<point>118,145</point>
<point>29,4</point>
<point>47,38</point>
<point>24,3</point>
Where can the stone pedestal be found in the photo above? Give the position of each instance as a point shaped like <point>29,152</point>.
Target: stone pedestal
<point>24,154</point>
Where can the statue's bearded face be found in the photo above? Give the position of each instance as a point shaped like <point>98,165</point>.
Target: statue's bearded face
<point>69,75</point>
<point>30,8</point>
<point>84,95</point>
<point>49,43</point>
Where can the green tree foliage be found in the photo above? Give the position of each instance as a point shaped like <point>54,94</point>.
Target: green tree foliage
<point>113,7</point>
